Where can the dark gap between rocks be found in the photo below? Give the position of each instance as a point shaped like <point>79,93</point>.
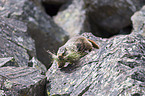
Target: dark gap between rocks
<point>104,34</point>
<point>51,9</point>
<point>136,94</point>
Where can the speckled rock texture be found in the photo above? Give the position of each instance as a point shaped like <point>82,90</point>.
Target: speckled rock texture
<point>116,69</point>
<point>8,61</point>
<point>111,16</point>
<point>138,20</point>
<point>73,18</point>
<point>16,49</point>
<point>21,81</point>
<point>35,63</point>
<point>41,27</point>
<point>101,17</point>
<point>15,41</point>
<point>55,2</point>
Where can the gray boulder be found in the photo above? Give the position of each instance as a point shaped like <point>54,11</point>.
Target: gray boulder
<point>21,81</point>
<point>138,20</point>
<point>117,68</point>
<point>55,2</point>
<point>41,27</point>
<point>73,18</point>
<point>15,42</point>
<point>16,49</point>
<point>101,17</point>
<point>110,17</point>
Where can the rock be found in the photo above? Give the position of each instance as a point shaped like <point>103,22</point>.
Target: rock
<point>41,27</point>
<point>101,17</point>
<point>15,42</point>
<point>8,61</point>
<point>138,20</point>
<point>2,93</point>
<point>110,16</point>
<point>35,63</point>
<point>21,81</point>
<point>72,19</point>
<point>55,2</point>
<point>117,68</point>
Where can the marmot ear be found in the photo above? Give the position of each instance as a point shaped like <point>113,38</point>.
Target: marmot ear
<point>94,44</point>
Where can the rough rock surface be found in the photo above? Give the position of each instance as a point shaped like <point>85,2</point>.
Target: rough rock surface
<point>72,19</point>
<point>101,17</point>
<point>138,20</point>
<point>41,27</point>
<point>15,42</point>
<point>117,68</point>
<point>111,16</point>
<point>56,2</point>
<point>35,63</point>
<point>8,61</point>
<point>21,81</point>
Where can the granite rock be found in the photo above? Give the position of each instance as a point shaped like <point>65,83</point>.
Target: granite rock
<point>40,26</point>
<point>111,17</point>
<point>55,2</point>
<point>15,41</point>
<point>103,18</point>
<point>21,81</point>
<point>73,18</point>
<point>138,20</point>
<point>16,49</point>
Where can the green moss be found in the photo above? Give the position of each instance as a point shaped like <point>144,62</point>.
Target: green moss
<point>73,56</point>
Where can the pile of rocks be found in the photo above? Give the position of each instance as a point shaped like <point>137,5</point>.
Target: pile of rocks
<point>27,31</point>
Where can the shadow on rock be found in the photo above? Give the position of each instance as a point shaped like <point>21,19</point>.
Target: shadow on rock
<point>71,67</point>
